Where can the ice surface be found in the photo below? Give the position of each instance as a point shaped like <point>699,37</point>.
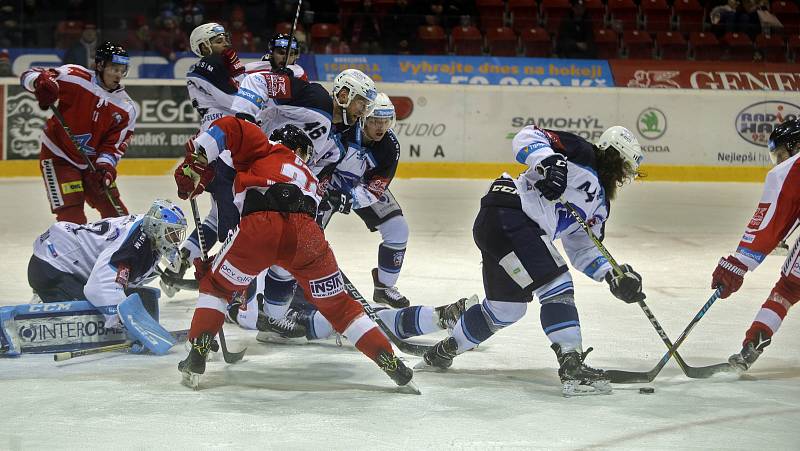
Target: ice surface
<point>505,395</point>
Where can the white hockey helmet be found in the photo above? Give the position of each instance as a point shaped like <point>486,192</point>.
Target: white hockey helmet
<point>203,34</point>
<point>357,83</point>
<point>165,225</point>
<point>383,108</point>
<point>621,139</point>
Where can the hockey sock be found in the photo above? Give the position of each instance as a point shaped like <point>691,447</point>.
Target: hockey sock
<point>318,328</point>
<point>193,241</point>
<point>558,314</point>
<point>770,317</point>
<point>208,315</point>
<point>410,321</point>
<point>278,292</point>
<point>482,320</point>
<point>390,260</point>
<point>367,338</point>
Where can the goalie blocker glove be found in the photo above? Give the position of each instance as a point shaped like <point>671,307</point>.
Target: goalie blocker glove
<point>729,276</point>
<point>627,286</point>
<point>554,172</point>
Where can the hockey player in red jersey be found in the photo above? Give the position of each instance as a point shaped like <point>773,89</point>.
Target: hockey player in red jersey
<point>277,195</point>
<point>101,116</point>
<point>777,212</point>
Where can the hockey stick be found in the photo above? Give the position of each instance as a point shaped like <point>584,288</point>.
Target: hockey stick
<point>408,348</point>
<point>60,118</point>
<point>291,35</point>
<point>689,371</point>
<point>180,335</point>
<point>230,357</point>
<point>632,377</point>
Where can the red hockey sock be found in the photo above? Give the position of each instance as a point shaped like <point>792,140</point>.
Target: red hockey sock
<point>372,343</point>
<point>206,320</point>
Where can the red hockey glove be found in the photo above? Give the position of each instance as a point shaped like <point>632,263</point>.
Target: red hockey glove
<point>105,173</point>
<point>46,90</point>
<point>729,276</point>
<point>193,175</point>
<point>232,62</point>
<point>202,267</point>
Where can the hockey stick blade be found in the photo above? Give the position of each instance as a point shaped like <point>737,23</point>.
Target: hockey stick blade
<point>179,335</point>
<point>406,347</point>
<point>632,377</point>
<point>230,357</point>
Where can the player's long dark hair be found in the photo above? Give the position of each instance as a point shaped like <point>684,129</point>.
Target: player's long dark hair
<point>613,171</point>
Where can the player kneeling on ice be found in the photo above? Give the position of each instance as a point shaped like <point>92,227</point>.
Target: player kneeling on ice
<point>777,212</point>
<point>278,196</point>
<point>515,228</point>
<point>107,263</point>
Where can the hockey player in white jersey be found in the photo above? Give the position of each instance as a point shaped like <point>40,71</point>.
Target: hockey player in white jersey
<point>212,83</point>
<point>105,261</point>
<point>518,221</point>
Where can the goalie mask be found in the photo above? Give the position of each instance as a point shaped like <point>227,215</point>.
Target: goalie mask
<point>165,225</point>
<point>784,137</point>
<point>621,139</point>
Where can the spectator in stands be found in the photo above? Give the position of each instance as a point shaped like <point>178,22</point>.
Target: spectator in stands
<point>769,22</point>
<point>399,28</point>
<point>576,34</point>
<point>364,29</point>
<point>336,46</point>
<point>747,20</point>
<point>434,13</point>
<point>723,17</point>
<point>169,38</point>
<point>82,52</point>
<point>241,38</point>
<point>140,37</point>
<point>191,15</point>
<point>5,64</point>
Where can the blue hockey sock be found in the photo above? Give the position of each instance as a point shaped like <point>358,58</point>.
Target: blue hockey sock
<point>560,322</point>
<point>410,321</point>
<point>390,261</point>
<point>209,237</point>
<point>278,293</point>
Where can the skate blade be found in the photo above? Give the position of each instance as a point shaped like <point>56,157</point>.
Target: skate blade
<point>409,389</point>
<point>425,368</point>
<point>576,388</point>
<point>191,380</point>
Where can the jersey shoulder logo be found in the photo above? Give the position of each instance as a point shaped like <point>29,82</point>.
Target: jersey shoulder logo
<point>758,216</point>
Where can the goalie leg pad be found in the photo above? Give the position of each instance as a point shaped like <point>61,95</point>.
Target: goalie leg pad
<point>143,327</point>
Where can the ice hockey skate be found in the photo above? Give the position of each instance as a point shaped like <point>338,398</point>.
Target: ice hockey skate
<point>439,357</point>
<point>742,361</point>
<point>448,315</point>
<point>283,330</point>
<point>399,372</point>
<point>579,379</point>
<point>194,365</point>
<point>387,295</point>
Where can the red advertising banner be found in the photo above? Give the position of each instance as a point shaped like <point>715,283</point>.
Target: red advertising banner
<point>724,75</point>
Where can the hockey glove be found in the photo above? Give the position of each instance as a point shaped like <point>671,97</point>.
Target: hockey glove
<point>202,267</point>
<point>193,175</point>
<point>232,62</point>
<point>104,172</point>
<point>46,90</point>
<point>339,201</point>
<point>627,286</point>
<point>729,276</point>
<point>554,171</point>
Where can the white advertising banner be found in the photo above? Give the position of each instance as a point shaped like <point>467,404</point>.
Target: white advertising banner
<point>675,127</point>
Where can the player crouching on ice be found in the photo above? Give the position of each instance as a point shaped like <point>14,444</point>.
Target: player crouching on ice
<point>107,264</point>
<point>777,212</point>
<point>515,228</point>
<point>278,196</point>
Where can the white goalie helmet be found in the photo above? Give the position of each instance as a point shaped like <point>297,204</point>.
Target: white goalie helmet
<point>165,225</point>
<point>357,83</point>
<point>621,139</point>
<point>383,108</point>
<point>203,34</point>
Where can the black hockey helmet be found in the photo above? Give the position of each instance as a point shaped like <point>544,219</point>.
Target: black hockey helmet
<point>113,53</point>
<point>294,138</point>
<point>785,135</point>
<point>281,41</point>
